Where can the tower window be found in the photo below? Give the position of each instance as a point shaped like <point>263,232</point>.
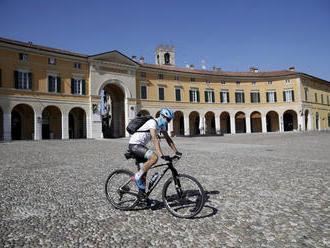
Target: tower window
<point>167,58</point>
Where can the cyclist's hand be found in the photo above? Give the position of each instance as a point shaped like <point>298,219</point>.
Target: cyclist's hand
<point>166,158</point>
<point>179,154</point>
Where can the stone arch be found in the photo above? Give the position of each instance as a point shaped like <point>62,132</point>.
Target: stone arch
<point>77,123</point>
<point>210,123</point>
<point>272,121</point>
<point>143,112</point>
<point>178,123</point>
<point>22,122</point>
<point>118,83</point>
<point>1,124</point>
<point>306,113</point>
<point>255,120</point>
<point>290,120</point>
<point>51,123</point>
<point>194,119</point>
<point>240,122</point>
<point>225,122</point>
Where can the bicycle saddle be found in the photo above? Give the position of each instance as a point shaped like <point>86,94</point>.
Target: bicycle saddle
<point>129,155</point>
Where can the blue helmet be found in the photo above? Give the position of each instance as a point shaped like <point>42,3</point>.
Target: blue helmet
<point>167,112</point>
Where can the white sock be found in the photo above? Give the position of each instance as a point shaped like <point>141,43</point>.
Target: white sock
<point>139,174</point>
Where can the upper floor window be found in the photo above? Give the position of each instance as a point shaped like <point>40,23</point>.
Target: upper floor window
<point>209,96</point>
<point>270,82</point>
<point>328,100</point>
<point>23,57</point>
<point>78,86</point>
<point>306,94</point>
<point>192,79</point>
<point>254,83</point>
<point>54,84</point>
<point>160,76</point>
<point>315,97</point>
<point>287,81</point>
<point>207,81</point>
<point>23,80</point>
<point>271,96</point>
<point>176,78</point>
<point>255,97</point>
<point>0,78</point>
<point>161,93</point>
<point>238,82</point>
<point>77,65</point>
<point>223,81</point>
<point>288,95</point>
<point>322,98</point>
<point>239,96</point>
<point>194,95</point>
<point>52,61</point>
<point>143,91</point>
<point>224,96</point>
<point>178,94</point>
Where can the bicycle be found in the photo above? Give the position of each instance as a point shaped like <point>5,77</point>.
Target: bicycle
<point>183,195</point>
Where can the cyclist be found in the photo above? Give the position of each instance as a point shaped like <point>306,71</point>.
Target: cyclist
<point>138,141</point>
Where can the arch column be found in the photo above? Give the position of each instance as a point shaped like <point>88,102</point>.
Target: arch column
<point>170,128</point>
<point>65,126</point>
<point>186,125</point>
<point>264,124</point>
<point>301,122</point>
<point>248,124</point>
<point>7,126</point>
<point>217,125</point>
<point>37,126</point>
<point>232,124</point>
<point>310,121</point>
<point>281,124</point>
<point>202,125</point>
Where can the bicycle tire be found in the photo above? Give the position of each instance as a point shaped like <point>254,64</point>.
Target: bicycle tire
<point>183,206</point>
<point>121,191</point>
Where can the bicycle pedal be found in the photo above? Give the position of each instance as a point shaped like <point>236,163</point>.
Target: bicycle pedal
<point>133,179</point>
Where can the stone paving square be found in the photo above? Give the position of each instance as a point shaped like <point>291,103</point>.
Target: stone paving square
<point>263,190</point>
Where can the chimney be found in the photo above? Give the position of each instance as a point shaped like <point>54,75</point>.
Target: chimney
<point>142,60</point>
<point>254,69</point>
<point>218,69</point>
<point>134,57</point>
<point>292,68</point>
<point>191,67</point>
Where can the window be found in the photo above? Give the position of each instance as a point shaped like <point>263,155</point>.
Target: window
<point>315,97</point>
<point>52,61</point>
<point>0,78</point>
<point>287,81</point>
<point>223,82</point>
<point>54,84</point>
<point>322,98</point>
<point>224,96</point>
<point>270,82</point>
<point>192,79</point>
<point>78,86</point>
<point>160,76</point>
<point>143,74</point>
<point>209,96</point>
<point>194,95</point>
<point>306,94</point>
<point>178,94</point>
<point>23,57</point>
<point>328,100</point>
<point>239,97</point>
<point>176,78</point>
<point>238,82</point>
<point>23,80</point>
<point>255,97</point>
<point>254,82</point>
<point>143,91</point>
<point>207,81</point>
<point>161,93</point>
<point>77,65</point>
<point>288,95</point>
<point>271,96</point>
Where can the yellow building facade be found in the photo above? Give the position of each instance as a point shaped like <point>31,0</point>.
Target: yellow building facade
<point>48,93</point>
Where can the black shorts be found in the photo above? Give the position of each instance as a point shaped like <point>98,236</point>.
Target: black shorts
<point>140,152</point>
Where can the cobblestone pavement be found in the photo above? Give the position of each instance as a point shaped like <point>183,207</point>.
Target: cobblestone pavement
<point>264,190</point>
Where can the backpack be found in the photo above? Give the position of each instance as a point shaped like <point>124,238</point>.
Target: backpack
<point>138,122</point>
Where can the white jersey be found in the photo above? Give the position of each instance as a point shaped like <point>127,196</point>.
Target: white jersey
<point>142,138</point>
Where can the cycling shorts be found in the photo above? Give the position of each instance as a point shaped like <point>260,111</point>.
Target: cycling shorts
<point>141,152</point>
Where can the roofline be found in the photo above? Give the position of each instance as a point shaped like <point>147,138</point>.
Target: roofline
<point>116,51</point>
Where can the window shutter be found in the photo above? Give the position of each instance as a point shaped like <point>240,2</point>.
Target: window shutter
<point>206,96</point>
<point>284,98</point>
<point>251,95</point>
<point>58,85</point>
<point>72,86</point>
<point>228,97</point>
<point>275,96</point>
<point>236,97</point>
<point>221,97</point>
<point>213,98</point>
<point>21,56</point>
<point>16,79</point>
<point>0,79</point>
<point>243,97</point>
<point>292,96</point>
<point>30,81</point>
<point>191,95</point>
<point>84,87</point>
<point>258,97</point>
<point>267,96</point>
<point>50,84</point>
<point>198,96</point>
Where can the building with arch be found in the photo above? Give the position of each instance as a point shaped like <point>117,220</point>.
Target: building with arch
<point>48,93</point>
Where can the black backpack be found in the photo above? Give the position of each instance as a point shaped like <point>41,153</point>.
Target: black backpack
<point>138,122</point>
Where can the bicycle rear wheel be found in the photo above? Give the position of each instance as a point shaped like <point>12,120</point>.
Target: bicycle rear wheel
<point>121,191</point>
<point>186,199</point>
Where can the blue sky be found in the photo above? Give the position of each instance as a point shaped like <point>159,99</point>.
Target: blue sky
<point>233,34</point>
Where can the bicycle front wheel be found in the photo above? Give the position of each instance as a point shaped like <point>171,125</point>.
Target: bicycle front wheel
<point>184,198</point>
<point>121,191</point>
